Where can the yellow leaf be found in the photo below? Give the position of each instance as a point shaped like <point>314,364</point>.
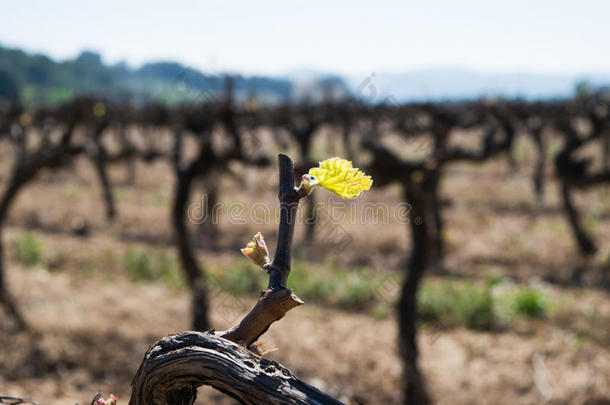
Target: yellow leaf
<point>338,176</point>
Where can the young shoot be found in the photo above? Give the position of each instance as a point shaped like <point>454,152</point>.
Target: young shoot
<point>337,176</point>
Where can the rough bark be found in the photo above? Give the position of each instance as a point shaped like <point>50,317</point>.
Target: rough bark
<point>271,307</point>
<point>176,365</point>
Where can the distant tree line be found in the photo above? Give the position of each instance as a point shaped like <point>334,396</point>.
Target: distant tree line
<point>35,79</point>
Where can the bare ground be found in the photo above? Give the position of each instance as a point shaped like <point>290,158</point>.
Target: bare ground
<point>92,325</point>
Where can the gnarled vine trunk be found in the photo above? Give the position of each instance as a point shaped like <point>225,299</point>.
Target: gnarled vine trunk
<point>176,365</point>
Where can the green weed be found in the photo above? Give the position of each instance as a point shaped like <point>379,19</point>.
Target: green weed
<point>529,302</point>
<point>146,266</point>
<point>29,250</point>
<point>453,304</point>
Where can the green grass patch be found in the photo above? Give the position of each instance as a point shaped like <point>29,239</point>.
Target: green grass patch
<point>327,283</point>
<point>445,302</point>
<point>242,278</point>
<point>357,290</point>
<point>452,303</point>
<point>151,265</point>
<point>381,312</point>
<point>312,282</point>
<point>529,302</point>
<point>457,304</point>
<point>29,249</point>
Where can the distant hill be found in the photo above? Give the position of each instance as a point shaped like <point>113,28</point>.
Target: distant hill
<point>36,78</point>
<point>457,84</point>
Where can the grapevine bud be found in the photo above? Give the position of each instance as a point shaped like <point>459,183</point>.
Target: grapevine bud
<point>308,182</point>
<point>256,250</point>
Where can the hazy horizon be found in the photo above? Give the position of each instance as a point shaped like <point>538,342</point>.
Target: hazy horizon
<point>306,70</point>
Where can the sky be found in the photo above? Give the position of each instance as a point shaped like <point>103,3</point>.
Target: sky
<point>345,37</point>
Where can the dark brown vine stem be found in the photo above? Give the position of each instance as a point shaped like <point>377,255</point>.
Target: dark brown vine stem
<point>176,365</point>
<point>276,300</point>
<point>289,201</point>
